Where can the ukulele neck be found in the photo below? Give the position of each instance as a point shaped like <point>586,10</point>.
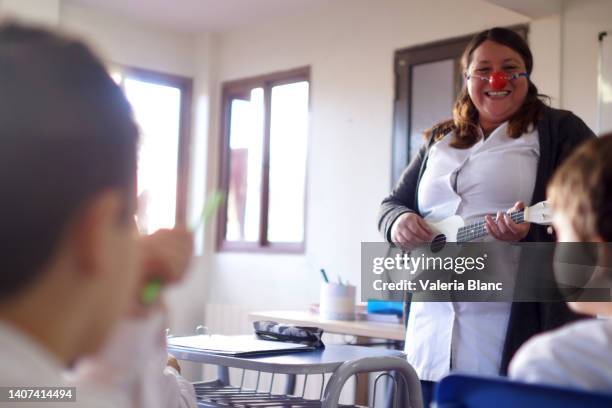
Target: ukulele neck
<point>477,229</point>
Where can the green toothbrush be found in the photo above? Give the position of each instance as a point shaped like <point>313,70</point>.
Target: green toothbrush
<point>151,292</point>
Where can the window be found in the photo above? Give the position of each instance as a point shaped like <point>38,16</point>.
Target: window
<point>161,105</point>
<point>263,162</point>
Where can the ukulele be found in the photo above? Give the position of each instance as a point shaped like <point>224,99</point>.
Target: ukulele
<point>453,229</point>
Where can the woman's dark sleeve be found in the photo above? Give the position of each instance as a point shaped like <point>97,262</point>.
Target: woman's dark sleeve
<point>402,198</point>
<point>565,132</point>
<point>573,132</point>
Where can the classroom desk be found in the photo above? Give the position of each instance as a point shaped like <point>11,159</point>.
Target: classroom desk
<point>362,329</point>
<point>331,359</point>
<point>359,328</point>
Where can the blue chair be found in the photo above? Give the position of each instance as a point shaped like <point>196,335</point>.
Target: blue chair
<point>463,391</point>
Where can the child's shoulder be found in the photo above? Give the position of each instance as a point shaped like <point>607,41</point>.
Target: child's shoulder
<point>599,328</point>
<point>577,354</point>
<point>580,336</point>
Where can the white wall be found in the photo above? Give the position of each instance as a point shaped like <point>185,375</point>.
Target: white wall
<point>545,44</point>
<point>187,301</point>
<point>44,12</point>
<point>582,21</point>
<point>124,41</point>
<point>350,48</point>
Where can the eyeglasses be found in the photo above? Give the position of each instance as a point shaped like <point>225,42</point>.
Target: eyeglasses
<point>498,79</point>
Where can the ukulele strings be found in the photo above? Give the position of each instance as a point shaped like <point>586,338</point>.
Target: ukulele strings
<point>476,229</point>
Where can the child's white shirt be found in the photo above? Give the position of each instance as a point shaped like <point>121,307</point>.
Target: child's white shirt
<point>133,364</point>
<point>26,363</point>
<point>577,355</point>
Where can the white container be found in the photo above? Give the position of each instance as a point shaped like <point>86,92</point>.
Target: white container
<point>337,302</point>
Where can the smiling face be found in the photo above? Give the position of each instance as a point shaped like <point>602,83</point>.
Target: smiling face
<point>496,106</point>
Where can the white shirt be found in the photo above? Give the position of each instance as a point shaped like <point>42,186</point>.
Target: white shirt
<point>488,177</point>
<point>578,355</point>
<point>25,363</point>
<point>130,371</point>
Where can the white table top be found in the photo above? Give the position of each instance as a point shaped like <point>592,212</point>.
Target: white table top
<point>389,331</point>
<point>307,362</point>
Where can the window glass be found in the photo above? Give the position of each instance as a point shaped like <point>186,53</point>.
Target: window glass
<point>263,164</point>
<point>157,110</point>
<point>288,138</point>
<point>246,144</point>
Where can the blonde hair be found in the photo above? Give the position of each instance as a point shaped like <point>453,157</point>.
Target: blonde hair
<point>582,189</point>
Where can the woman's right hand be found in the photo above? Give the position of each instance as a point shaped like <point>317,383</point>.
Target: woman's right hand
<point>410,230</point>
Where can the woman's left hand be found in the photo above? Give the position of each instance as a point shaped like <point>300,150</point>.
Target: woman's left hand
<point>503,228</point>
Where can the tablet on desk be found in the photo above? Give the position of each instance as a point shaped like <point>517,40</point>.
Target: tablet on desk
<point>239,346</point>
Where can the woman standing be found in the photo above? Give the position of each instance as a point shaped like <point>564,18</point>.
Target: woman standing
<point>499,151</point>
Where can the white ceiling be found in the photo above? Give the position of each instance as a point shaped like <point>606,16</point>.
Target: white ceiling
<point>531,8</point>
<point>205,15</point>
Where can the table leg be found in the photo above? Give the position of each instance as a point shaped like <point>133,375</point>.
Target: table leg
<point>361,392</point>
<point>223,374</point>
<point>290,385</point>
<point>362,385</point>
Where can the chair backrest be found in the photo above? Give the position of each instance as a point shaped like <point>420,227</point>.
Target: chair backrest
<point>465,391</point>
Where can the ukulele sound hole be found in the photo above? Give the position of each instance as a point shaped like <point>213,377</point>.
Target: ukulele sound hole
<point>438,243</point>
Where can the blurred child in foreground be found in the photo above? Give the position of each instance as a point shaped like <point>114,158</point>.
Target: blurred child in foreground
<point>579,355</point>
<point>73,264</point>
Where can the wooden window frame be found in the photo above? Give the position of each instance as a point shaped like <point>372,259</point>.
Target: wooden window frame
<point>185,85</point>
<point>230,91</point>
<point>404,61</point>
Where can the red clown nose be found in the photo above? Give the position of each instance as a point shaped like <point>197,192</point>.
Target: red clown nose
<point>498,81</point>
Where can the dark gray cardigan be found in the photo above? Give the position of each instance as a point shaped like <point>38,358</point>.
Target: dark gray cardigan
<point>559,133</point>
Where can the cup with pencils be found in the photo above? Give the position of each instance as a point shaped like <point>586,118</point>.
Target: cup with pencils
<point>337,299</point>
